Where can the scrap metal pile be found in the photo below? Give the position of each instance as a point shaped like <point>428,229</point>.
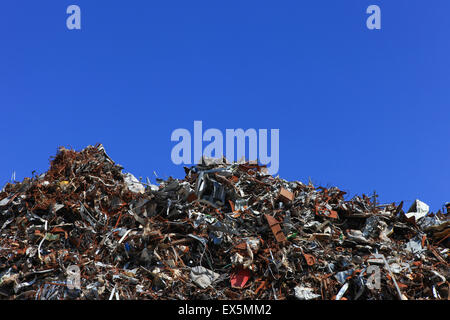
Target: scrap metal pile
<point>86,230</point>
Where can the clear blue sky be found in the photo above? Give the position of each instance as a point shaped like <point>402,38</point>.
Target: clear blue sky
<point>363,110</point>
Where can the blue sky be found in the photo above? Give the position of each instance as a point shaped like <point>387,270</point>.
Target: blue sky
<point>363,110</point>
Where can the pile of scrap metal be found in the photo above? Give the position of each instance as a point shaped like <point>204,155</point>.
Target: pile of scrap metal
<point>86,230</point>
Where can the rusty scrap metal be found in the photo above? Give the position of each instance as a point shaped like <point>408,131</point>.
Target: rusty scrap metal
<point>224,231</point>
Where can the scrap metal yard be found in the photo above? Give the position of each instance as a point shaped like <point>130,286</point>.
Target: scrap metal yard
<point>87,230</point>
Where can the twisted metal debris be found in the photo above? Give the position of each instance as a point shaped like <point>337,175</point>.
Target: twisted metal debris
<point>225,231</point>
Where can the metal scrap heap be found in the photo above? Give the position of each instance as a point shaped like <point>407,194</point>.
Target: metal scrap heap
<point>86,230</point>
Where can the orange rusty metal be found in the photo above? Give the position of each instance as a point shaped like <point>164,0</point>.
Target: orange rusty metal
<point>261,286</point>
<point>241,246</point>
<point>286,195</point>
<point>191,197</point>
<point>310,259</point>
<point>232,206</point>
<point>234,179</point>
<point>276,228</point>
<point>324,212</point>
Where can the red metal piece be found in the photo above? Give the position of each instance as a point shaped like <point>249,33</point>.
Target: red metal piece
<point>239,277</point>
